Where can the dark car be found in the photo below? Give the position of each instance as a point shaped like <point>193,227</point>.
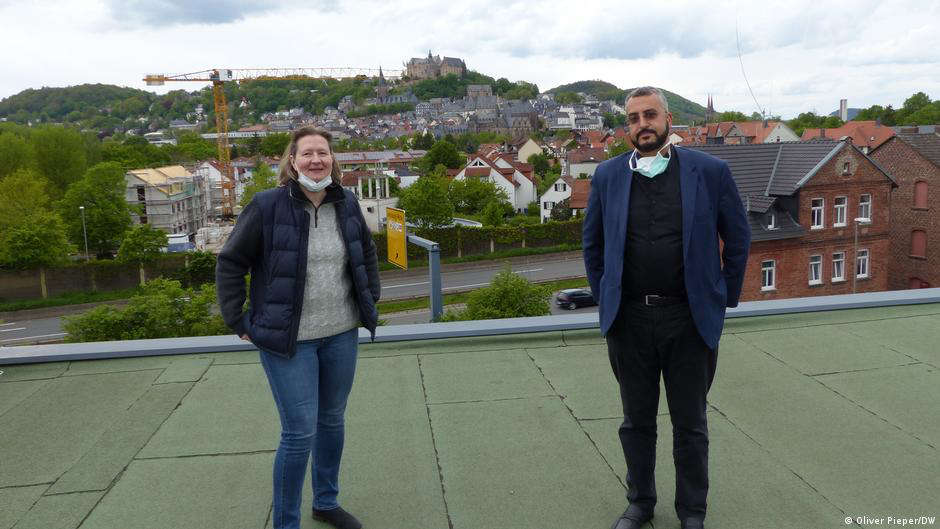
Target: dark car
<point>573,298</point>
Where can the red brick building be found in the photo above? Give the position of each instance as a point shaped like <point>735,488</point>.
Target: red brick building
<point>803,199</point>
<point>912,157</point>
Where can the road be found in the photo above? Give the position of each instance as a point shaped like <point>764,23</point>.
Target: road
<point>395,285</point>
<point>31,331</point>
<point>457,280</point>
<point>424,316</point>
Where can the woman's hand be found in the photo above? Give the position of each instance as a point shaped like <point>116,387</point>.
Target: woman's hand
<point>245,337</point>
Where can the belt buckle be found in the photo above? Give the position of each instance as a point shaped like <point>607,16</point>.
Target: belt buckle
<point>646,299</point>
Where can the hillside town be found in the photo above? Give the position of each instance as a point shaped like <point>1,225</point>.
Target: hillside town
<point>832,209</point>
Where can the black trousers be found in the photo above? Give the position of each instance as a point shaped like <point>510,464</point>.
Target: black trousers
<point>643,342</point>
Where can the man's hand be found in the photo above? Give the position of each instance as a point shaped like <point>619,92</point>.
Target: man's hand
<point>245,337</point>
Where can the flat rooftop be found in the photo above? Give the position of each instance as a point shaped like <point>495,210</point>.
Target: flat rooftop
<point>814,417</point>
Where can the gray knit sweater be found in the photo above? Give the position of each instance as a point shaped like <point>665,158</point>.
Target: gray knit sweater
<point>329,307</point>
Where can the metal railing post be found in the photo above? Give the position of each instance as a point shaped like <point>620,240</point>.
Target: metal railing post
<point>434,264</point>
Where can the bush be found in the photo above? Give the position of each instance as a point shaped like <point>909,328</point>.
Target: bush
<point>162,309</point>
<point>199,269</point>
<point>508,296</point>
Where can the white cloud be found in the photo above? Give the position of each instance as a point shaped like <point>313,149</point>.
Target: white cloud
<point>798,55</point>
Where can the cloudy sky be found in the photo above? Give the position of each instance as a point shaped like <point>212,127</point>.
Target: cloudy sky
<point>798,55</point>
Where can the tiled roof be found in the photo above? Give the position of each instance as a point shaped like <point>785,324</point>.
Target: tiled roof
<point>586,154</point>
<point>580,189</point>
<point>863,133</point>
<point>477,171</point>
<point>812,418</point>
<point>928,145</point>
<point>771,168</point>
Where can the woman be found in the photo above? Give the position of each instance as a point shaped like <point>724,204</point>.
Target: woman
<point>314,280</point>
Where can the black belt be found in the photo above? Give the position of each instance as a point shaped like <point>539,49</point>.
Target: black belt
<point>654,300</point>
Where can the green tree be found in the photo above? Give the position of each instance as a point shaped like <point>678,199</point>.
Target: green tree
<point>194,148</point>
<point>540,163</point>
<point>199,269</point>
<point>471,195</point>
<point>15,154</point>
<point>262,178</point>
<point>494,213</point>
<point>60,156</point>
<point>564,98</point>
<point>107,214</point>
<point>509,295</point>
<point>426,203</point>
<point>142,243</point>
<point>612,120</point>
<point>274,144</point>
<point>36,241</point>
<point>561,211</point>
<point>441,153</point>
<point>22,194</point>
<point>254,145</point>
<point>809,120</point>
<point>533,209</point>
<point>731,115</point>
<point>619,147</point>
<point>915,103</point>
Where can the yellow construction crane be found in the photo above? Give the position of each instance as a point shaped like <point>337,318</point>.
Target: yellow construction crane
<point>219,76</point>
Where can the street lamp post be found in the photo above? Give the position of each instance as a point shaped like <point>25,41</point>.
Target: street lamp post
<point>84,231</point>
<point>858,220</point>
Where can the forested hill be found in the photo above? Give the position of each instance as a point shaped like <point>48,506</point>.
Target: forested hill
<point>682,109</point>
<point>74,103</point>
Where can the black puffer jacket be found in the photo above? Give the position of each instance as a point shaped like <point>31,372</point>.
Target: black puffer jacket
<point>270,240</point>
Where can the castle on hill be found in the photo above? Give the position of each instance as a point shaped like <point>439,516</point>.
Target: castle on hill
<point>434,66</point>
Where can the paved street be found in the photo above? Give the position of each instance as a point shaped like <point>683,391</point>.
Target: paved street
<point>418,284</point>
<point>30,331</point>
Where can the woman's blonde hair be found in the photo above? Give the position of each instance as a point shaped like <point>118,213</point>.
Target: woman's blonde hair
<point>287,172</point>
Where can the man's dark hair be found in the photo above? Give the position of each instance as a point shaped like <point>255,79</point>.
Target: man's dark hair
<point>649,91</point>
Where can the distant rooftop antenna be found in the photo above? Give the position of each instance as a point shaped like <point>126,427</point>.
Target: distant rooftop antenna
<point>738,39</point>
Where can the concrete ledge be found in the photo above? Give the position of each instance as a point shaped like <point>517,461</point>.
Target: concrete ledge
<point>429,331</point>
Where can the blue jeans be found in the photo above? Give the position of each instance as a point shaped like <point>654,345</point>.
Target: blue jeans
<point>310,391</point>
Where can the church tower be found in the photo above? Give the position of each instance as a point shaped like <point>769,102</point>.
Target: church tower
<point>709,110</point>
<point>381,90</point>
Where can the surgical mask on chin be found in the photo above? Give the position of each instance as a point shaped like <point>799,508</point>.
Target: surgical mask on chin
<point>312,185</point>
<point>649,166</point>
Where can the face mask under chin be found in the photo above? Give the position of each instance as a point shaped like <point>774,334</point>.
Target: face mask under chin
<point>312,185</point>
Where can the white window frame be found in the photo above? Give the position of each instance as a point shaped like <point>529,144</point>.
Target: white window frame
<point>768,275</point>
<point>815,270</point>
<point>839,210</point>
<point>561,187</point>
<point>548,204</point>
<point>771,220</point>
<point>817,211</point>
<point>838,265</point>
<point>862,264</point>
<point>864,206</point>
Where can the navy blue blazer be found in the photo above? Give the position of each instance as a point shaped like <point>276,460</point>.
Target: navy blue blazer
<point>711,207</point>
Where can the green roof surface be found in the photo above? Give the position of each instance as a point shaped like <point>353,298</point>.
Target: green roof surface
<point>813,417</point>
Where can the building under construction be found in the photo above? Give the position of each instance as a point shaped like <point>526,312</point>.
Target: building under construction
<point>170,198</point>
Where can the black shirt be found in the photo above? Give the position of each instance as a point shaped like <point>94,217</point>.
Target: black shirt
<point>653,255</point>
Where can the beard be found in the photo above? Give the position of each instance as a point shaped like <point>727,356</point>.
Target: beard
<point>651,145</point>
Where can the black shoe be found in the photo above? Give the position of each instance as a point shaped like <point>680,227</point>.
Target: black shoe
<point>632,518</point>
<point>693,523</point>
<point>338,518</point>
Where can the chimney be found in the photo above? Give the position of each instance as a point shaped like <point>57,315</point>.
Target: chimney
<point>765,123</point>
<point>843,109</point>
<point>878,121</point>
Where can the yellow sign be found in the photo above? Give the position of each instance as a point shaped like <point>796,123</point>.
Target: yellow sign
<point>397,240</point>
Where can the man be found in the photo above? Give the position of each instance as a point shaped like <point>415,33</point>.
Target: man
<point>662,281</point>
